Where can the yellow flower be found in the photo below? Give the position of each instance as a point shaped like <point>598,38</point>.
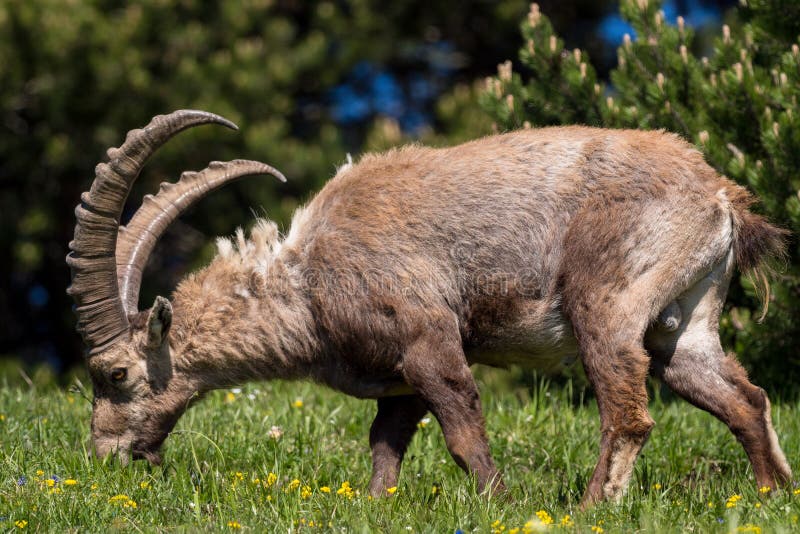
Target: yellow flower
<point>123,500</point>
<point>597,529</point>
<point>144,484</point>
<point>758,505</point>
<point>764,489</point>
<point>392,490</point>
<point>50,482</point>
<point>239,475</point>
<point>325,489</point>
<point>424,422</point>
<point>298,403</point>
<point>436,490</point>
<point>70,482</point>
<point>749,528</point>
<point>293,485</point>
<point>656,486</point>
<point>234,525</point>
<point>346,490</point>
<point>272,478</point>
<point>21,523</point>
<point>93,487</point>
<point>3,418</point>
<point>305,492</point>
<point>39,473</point>
<point>269,497</point>
<point>230,397</point>
<point>514,530</point>
<point>566,521</point>
<point>797,491</point>
<point>732,500</point>
<point>544,517</point>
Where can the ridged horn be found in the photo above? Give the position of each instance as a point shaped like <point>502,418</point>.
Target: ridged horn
<point>101,314</point>
<point>137,240</point>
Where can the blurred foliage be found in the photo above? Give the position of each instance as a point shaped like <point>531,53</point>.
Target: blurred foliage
<point>739,106</point>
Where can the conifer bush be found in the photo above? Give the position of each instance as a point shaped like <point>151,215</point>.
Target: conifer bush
<point>738,106</point>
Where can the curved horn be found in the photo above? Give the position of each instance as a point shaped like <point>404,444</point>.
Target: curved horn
<point>137,240</point>
<point>101,314</point>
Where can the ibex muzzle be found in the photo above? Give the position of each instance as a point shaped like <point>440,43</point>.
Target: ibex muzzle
<point>524,248</point>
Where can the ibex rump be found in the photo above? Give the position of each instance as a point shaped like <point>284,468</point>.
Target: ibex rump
<point>528,247</point>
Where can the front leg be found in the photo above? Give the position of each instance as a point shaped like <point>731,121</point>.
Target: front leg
<point>391,432</point>
<point>435,366</point>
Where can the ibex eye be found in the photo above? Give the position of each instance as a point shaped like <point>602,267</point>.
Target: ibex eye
<point>118,375</point>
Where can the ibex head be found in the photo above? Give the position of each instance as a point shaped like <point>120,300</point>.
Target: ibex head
<point>138,392</point>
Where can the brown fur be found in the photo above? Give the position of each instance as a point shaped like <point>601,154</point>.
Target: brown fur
<point>410,266</point>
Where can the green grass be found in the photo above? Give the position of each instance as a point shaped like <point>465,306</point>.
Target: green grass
<point>544,442</point>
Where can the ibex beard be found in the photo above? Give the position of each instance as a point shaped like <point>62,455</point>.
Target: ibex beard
<point>527,248</point>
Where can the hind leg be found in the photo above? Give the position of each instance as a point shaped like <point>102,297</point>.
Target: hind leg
<point>617,367</point>
<point>692,363</point>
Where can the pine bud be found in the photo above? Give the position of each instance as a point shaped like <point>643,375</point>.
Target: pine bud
<point>660,81</point>
<point>776,129</point>
<point>597,89</point>
<point>659,19</point>
<point>621,60</point>
<point>684,54</point>
<point>510,102</point>
<point>583,71</point>
<point>610,102</point>
<point>534,16</point>
<point>681,25</point>
<point>743,54</point>
<point>553,43</point>
<point>504,71</point>
<point>759,164</point>
<point>737,67</point>
<point>642,4</point>
<point>577,54</point>
<point>713,79</point>
<point>726,34</point>
<point>667,107</point>
<point>768,113</point>
<point>626,41</point>
<point>705,62</point>
<point>784,79</point>
<point>703,137</point>
<point>526,125</point>
<point>789,113</point>
<point>795,50</point>
<point>531,47</point>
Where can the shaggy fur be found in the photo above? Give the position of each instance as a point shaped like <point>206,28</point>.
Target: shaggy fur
<point>528,248</point>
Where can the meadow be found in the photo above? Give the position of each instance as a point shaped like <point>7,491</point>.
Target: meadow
<point>294,457</point>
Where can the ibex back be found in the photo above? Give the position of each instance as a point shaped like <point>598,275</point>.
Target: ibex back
<point>529,248</point>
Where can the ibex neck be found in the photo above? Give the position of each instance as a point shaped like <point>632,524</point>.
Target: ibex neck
<point>236,322</point>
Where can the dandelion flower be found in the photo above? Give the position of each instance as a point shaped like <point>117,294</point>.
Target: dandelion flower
<point>22,523</point>
<point>144,485</point>
<point>544,517</point>
<point>70,482</point>
<point>325,489</point>
<point>234,525</point>
<point>230,396</point>
<point>732,500</point>
<point>597,528</point>
<point>298,403</point>
<point>436,490</point>
<point>345,490</point>
<point>656,486</point>
<point>764,489</point>
<point>392,490</point>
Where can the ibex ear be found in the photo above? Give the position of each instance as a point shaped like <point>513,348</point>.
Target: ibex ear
<point>158,322</point>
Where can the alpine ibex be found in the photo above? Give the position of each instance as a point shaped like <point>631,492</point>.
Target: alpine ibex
<point>523,248</point>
